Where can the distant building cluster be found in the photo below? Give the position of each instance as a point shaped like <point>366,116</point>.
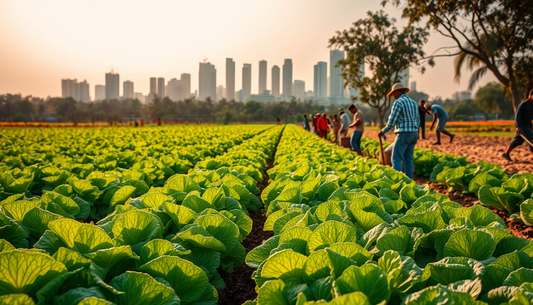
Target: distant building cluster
<point>328,88</point>
<point>462,96</point>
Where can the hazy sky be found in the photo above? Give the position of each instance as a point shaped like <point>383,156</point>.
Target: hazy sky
<point>45,41</point>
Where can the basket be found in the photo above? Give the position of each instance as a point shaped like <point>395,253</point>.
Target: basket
<point>345,142</point>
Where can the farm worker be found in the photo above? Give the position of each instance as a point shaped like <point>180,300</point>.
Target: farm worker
<point>158,122</point>
<point>278,121</point>
<point>322,123</point>
<point>524,115</point>
<point>306,123</point>
<point>422,112</point>
<point>441,117</point>
<point>336,127</point>
<point>359,127</point>
<point>345,123</point>
<point>405,119</point>
<point>315,123</point>
<point>142,122</point>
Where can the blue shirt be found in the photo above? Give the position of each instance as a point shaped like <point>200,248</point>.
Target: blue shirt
<point>404,116</point>
<point>438,110</point>
<point>306,123</point>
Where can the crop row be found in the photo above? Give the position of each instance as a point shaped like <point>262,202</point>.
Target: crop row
<point>164,245</point>
<point>487,181</point>
<point>350,231</point>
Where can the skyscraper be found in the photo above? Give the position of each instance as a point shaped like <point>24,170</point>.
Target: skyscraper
<point>230,79</point>
<point>153,86</point>
<point>262,76</point>
<point>413,86</point>
<point>275,81</point>
<point>336,87</point>
<point>220,93</point>
<point>321,79</point>
<point>99,92</point>
<point>81,92</point>
<point>128,90</point>
<point>161,87</point>
<point>287,78</point>
<point>184,91</point>
<point>207,85</point>
<point>173,89</point>
<point>247,79</point>
<point>112,86</point>
<point>67,87</point>
<point>298,89</point>
<point>139,96</point>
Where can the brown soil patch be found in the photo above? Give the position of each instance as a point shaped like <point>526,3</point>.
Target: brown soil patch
<point>477,148</point>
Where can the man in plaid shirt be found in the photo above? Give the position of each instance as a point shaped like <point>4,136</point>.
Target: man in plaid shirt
<point>405,119</point>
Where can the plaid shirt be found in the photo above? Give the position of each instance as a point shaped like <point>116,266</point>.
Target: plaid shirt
<point>404,116</point>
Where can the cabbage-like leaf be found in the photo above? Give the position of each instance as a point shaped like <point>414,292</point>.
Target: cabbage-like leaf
<point>330,232</point>
<point>368,279</point>
<point>140,288</point>
<point>482,179</point>
<point>71,259</point>
<point>469,243</point>
<point>135,228</point>
<point>76,295</point>
<point>283,265</point>
<point>26,271</point>
<point>453,269</point>
<point>401,270</point>
<point>188,281</point>
<point>121,196</point>
<point>355,298</point>
<point>16,299</point>
<point>37,219</point>
<point>526,212</point>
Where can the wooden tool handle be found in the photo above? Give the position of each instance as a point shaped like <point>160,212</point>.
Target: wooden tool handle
<point>381,153</point>
<point>526,140</point>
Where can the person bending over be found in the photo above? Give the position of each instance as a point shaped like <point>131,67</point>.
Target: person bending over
<point>441,117</point>
<point>524,115</point>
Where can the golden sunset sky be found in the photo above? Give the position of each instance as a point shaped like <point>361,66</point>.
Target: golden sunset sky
<point>44,41</point>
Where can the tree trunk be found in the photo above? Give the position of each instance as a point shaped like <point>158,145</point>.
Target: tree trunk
<point>514,90</point>
<point>380,118</point>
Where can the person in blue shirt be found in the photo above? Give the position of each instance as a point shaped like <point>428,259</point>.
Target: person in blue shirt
<point>405,119</point>
<point>306,123</point>
<point>524,116</point>
<point>441,117</point>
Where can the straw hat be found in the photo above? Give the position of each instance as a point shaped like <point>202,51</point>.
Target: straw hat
<point>397,86</point>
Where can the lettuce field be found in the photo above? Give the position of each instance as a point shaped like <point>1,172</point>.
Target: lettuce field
<point>195,214</point>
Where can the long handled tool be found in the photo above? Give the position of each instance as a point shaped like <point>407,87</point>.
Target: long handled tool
<point>524,139</point>
<point>381,153</point>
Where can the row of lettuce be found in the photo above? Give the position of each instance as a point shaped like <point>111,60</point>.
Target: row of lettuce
<point>350,231</point>
<point>489,182</point>
<point>84,173</point>
<point>165,246</point>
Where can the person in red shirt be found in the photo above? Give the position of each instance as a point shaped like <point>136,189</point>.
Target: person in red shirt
<point>158,122</point>
<point>322,123</point>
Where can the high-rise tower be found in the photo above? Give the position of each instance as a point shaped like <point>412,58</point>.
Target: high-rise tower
<point>287,78</point>
<point>230,79</point>
<point>262,76</point>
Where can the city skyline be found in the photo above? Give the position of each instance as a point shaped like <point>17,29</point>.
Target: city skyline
<point>41,50</point>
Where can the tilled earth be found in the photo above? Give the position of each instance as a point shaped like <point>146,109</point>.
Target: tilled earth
<point>488,149</point>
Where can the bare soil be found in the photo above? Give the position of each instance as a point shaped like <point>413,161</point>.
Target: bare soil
<point>477,148</point>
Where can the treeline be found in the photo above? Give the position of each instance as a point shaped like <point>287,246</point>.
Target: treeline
<point>25,109</point>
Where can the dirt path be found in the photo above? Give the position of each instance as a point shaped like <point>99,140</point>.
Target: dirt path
<point>477,148</point>
<point>239,284</point>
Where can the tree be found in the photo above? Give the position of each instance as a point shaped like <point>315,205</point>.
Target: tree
<point>385,50</point>
<point>491,99</point>
<point>486,35</point>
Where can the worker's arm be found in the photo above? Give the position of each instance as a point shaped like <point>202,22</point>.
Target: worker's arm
<point>434,120</point>
<point>355,122</point>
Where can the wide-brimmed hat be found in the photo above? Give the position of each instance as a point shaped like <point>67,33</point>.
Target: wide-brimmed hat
<point>398,86</point>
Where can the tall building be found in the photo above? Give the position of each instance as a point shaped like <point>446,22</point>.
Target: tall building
<point>298,89</point>
<point>99,92</point>
<point>207,85</point>
<point>161,87</point>
<point>287,78</point>
<point>462,96</point>
<point>413,86</point>
<point>230,79</point>
<point>185,86</point>
<point>336,86</point>
<point>81,92</point>
<point>139,96</point>
<point>262,76</point>
<point>112,86</point>
<point>173,89</point>
<point>320,87</point>
<point>128,90</point>
<point>247,79</point>
<point>275,81</point>
<point>220,93</point>
<point>67,87</point>
<point>153,86</point>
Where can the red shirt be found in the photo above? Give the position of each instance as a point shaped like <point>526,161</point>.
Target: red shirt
<point>322,124</point>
